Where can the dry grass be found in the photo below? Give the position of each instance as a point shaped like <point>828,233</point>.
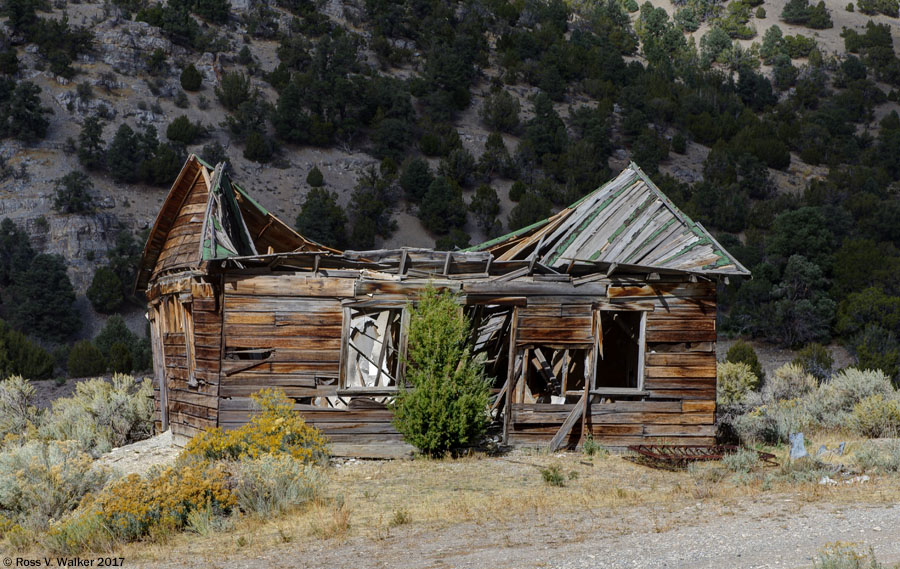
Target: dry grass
<point>363,498</point>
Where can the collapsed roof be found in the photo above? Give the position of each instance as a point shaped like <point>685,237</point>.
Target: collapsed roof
<point>213,225</point>
<point>626,224</point>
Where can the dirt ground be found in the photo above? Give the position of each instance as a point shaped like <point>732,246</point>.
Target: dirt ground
<point>497,512</point>
<point>771,532</point>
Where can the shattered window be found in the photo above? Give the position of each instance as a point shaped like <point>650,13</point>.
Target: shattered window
<point>552,374</point>
<point>376,346</point>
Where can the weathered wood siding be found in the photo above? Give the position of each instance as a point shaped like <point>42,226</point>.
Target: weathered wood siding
<point>181,248</point>
<point>297,321</point>
<point>677,403</point>
<point>192,406</point>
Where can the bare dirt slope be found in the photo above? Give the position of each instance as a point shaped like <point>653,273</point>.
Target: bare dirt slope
<point>775,531</point>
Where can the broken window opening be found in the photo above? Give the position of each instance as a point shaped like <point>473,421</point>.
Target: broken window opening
<point>375,350</point>
<point>490,339</point>
<point>621,355</point>
<point>232,353</point>
<point>552,375</point>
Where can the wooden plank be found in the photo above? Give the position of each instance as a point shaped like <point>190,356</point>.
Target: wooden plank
<point>304,331</point>
<point>680,335</point>
<point>703,359</point>
<point>659,324</point>
<point>681,371</point>
<point>680,430</point>
<point>698,406</point>
<point>583,322</point>
<point>242,304</point>
<point>567,425</point>
<point>681,290</point>
<point>540,336</point>
<point>282,285</point>
<point>289,343</point>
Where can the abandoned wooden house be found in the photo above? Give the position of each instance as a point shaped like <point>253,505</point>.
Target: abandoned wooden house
<point>599,320</point>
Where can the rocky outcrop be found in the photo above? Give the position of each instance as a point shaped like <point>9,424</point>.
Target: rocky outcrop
<point>125,45</point>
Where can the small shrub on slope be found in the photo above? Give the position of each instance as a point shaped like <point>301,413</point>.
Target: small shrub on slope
<point>882,456</point>
<point>102,415</point>
<point>134,507</point>
<point>734,382</point>
<point>17,410</point>
<point>876,416</point>
<point>789,382</point>
<point>743,352</point>
<point>832,403</point>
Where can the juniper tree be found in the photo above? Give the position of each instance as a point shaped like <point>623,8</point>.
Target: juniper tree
<point>444,406</point>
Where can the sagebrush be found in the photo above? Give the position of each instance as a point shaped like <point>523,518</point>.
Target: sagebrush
<point>102,415</point>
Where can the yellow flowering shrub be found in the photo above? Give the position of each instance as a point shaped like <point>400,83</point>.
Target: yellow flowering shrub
<point>7,525</point>
<point>133,507</point>
<point>274,429</point>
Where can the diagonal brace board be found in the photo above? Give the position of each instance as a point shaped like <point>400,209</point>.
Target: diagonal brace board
<point>567,425</point>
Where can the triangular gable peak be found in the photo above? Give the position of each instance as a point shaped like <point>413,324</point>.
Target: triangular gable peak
<point>627,222</point>
<point>196,225</point>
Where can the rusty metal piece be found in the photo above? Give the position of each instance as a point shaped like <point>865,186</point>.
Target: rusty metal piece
<point>679,456</point>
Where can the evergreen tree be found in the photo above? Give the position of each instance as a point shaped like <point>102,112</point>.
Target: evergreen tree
<point>322,219</point>
<point>445,406</point>
<point>124,155</point>
<point>73,193</point>
<point>105,292</point>
<point>415,179</point>
<point>315,178</point>
<point>22,115</point>
<point>184,131</point>
<point>258,147</point>
<point>500,111</point>
<point>21,356</point>
<point>15,251</point>
<point>442,208</point>
<point>485,205</point>
<point>85,360</point>
<point>91,152</point>
<point>369,209</point>
<point>42,300</point>
<point>531,208</point>
<point>191,79</point>
<point>235,89</point>
<point>495,161</point>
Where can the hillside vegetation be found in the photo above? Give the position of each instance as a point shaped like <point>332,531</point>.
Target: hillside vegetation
<point>433,122</point>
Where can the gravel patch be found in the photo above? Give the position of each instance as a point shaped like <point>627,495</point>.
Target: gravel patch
<point>139,457</point>
<point>771,532</point>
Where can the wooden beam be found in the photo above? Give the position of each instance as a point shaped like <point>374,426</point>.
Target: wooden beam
<point>566,428</point>
<point>511,375</point>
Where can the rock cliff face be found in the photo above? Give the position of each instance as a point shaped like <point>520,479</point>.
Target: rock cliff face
<point>124,45</point>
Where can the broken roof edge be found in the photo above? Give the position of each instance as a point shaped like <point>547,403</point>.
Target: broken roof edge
<point>145,270</point>
<point>305,241</point>
<point>680,216</point>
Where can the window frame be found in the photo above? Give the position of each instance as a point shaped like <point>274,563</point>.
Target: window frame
<point>347,351</point>
<point>642,351</point>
